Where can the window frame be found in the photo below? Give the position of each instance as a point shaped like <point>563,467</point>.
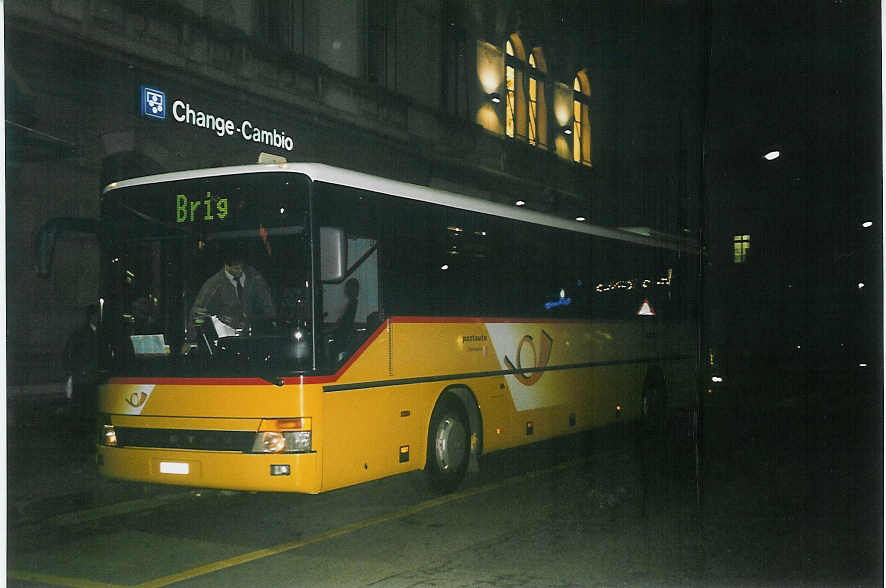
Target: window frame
<point>512,90</point>
<point>537,99</point>
<point>581,120</point>
<point>741,246</point>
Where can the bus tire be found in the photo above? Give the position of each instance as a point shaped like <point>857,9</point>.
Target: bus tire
<point>448,445</point>
<point>655,399</point>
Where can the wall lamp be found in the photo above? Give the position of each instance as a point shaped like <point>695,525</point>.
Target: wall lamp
<point>494,97</point>
<point>567,130</point>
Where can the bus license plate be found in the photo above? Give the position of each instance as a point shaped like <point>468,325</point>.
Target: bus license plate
<point>174,467</point>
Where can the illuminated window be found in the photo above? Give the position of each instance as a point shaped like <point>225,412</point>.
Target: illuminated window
<point>510,84</point>
<point>533,102</point>
<point>741,244</point>
<point>538,122</point>
<point>581,119</point>
<point>576,123</point>
<point>516,86</point>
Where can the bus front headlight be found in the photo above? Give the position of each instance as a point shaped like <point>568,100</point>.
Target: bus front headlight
<point>107,434</point>
<point>283,436</point>
<point>269,442</point>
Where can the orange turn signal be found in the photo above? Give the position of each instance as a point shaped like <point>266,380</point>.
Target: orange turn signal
<point>293,424</point>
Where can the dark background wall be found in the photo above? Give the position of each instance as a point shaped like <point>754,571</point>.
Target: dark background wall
<point>391,87</point>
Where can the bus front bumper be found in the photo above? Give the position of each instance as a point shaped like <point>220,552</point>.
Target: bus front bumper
<point>281,472</point>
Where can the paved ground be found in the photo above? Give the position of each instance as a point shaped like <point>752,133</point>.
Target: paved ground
<point>791,495</point>
<point>51,464</point>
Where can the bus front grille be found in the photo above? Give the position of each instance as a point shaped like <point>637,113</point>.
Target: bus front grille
<point>202,440</point>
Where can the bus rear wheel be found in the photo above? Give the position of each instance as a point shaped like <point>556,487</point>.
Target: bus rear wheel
<point>448,445</point>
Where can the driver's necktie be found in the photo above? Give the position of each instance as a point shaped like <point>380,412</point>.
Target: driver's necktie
<point>239,284</point>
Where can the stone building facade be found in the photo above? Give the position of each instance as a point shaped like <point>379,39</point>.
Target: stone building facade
<point>581,109</point>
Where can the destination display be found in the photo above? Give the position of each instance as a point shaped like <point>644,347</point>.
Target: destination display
<point>207,209</point>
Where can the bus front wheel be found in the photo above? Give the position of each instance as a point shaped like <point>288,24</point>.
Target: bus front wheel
<point>448,445</point>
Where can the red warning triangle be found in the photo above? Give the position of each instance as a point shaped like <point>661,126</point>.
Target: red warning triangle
<point>646,309</point>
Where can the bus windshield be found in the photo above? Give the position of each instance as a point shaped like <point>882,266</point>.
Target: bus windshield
<point>208,276</point>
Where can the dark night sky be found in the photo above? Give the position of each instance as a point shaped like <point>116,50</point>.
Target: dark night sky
<point>803,78</point>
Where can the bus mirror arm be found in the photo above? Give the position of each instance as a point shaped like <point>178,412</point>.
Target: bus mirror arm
<point>47,235</point>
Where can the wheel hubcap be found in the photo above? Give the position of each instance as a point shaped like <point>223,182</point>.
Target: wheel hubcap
<point>450,444</point>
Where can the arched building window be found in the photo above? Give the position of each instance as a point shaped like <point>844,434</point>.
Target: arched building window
<point>581,115</point>
<point>533,101</point>
<point>526,103</point>
<point>538,108</point>
<point>515,87</point>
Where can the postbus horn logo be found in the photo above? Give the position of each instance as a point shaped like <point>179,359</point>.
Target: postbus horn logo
<point>153,103</point>
<point>528,378</point>
<point>136,399</point>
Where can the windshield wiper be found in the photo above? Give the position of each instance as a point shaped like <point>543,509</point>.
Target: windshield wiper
<point>152,220</point>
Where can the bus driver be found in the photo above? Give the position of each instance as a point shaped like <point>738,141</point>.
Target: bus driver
<point>237,295</point>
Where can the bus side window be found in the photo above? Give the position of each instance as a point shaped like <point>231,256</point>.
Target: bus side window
<point>349,257</point>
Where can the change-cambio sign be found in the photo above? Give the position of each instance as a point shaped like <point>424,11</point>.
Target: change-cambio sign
<point>156,105</point>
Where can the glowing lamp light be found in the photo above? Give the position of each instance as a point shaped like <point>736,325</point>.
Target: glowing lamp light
<point>520,203</point>
<point>860,285</point>
<point>490,67</point>
<point>563,95</point>
<point>867,224</point>
<point>494,97</point>
<point>488,118</point>
<point>567,130</point>
<point>772,155</point>
<point>580,219</point>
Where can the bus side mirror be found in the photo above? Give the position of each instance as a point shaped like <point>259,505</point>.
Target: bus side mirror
<point>44,246</point>
<point>333,254</point>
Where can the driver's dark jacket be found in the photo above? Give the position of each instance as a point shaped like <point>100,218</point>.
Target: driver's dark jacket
<point>218,296</point>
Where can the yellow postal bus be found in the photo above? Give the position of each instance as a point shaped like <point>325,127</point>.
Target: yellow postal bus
<point>408,328</point>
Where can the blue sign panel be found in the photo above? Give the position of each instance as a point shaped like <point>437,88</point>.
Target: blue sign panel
<point>153,103</point>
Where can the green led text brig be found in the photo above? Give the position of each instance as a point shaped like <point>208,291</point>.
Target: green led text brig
<point>187,211</point>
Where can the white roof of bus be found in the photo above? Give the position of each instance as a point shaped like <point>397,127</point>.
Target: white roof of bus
<point>319,172</point>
